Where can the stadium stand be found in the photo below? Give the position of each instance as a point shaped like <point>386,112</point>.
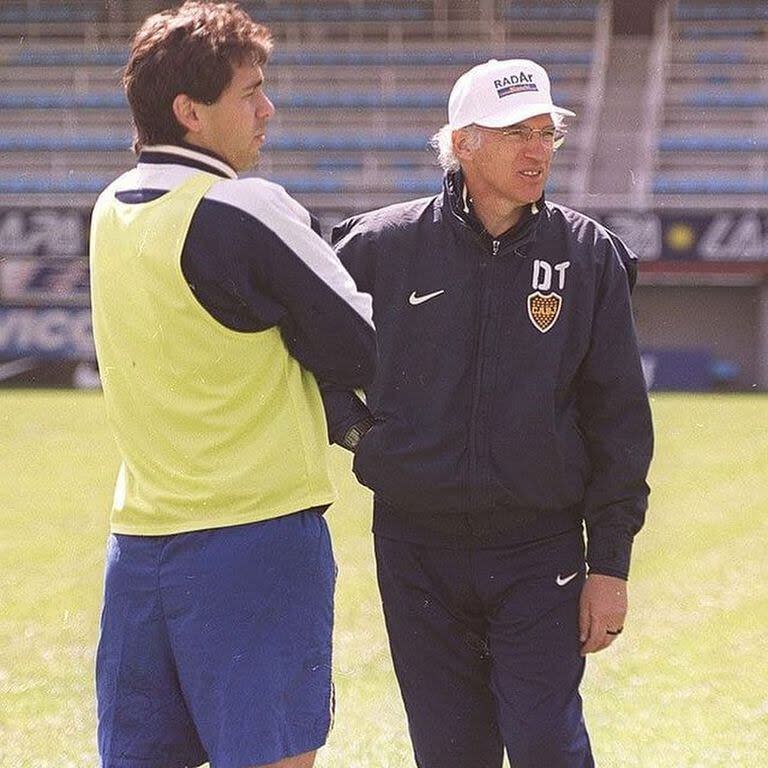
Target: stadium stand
<point>701,211</point>
<point>713,126</point>
<point>383,115</point>
<point>668,146</point>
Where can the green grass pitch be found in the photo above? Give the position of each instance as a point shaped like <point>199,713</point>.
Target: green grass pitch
<point>686,685</point>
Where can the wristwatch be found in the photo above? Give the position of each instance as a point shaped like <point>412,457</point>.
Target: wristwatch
<point>355,433</point>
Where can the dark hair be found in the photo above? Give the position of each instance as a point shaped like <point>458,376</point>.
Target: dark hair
<point>189,49</point>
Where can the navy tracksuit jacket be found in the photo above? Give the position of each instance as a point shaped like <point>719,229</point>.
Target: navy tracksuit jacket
<point>509,400</point>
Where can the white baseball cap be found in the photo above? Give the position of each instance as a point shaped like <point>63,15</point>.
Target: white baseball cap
<point>501,93</point>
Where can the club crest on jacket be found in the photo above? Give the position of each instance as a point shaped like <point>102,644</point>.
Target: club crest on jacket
<point>544,309</point>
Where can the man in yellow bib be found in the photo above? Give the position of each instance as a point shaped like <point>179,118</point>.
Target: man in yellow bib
<point>215,306</point>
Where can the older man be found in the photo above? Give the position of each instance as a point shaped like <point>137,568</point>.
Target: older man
<point>508,412</point>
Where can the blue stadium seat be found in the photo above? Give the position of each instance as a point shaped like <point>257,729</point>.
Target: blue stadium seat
<point>700,143</point>
<point>722,11</point>
<point>419,185</point>
<point>328,12</point>
<point>62,100</point>
<point>419,58</point>
<point>742,32</point>
<point>663,185</point>
<point>296,142</point>
<point>721,57</point>
<point>320,100</point>
<point>356,162</point>
<point>65,12</point>
<point>350,100</point>
<point>525,11</point>
<point>35,57</point>
<point>299,184</point>
<point>72,182</point>
<point>401,100</point>
<point>118,58</point>
<point>353,143</point>
<point>43,143</point>
<point>347,162</point>
<point>721,99</point>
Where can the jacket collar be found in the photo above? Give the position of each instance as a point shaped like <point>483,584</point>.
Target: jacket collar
<point>188,155</point>
<point>455,206</point>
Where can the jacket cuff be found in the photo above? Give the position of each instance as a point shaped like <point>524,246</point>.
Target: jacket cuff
<point>343,409</point>
<point>609,556</point>
<point>356,433</point>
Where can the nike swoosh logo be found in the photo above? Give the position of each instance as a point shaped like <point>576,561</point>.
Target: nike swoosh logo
<point>414,299</point>
<point>15,367</point>
<point>563,580</point>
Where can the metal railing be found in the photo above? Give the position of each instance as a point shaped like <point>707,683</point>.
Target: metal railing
<point>591,104</point>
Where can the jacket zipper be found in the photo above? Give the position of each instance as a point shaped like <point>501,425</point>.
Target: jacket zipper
<point>475,428</point>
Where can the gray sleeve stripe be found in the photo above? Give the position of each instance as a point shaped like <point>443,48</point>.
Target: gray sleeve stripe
<point>273,207</point>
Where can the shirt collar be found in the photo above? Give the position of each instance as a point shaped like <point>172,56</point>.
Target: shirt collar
<point>460,202</point>
<point>188,155</point>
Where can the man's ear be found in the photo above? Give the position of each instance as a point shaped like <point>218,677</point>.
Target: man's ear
<point>463,144</point>
<point>187,113</point>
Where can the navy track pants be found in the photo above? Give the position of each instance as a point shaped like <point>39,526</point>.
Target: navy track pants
<point>485,645</point>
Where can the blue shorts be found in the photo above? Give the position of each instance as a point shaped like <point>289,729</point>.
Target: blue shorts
<point>485,645</point>
<point>216,645</point>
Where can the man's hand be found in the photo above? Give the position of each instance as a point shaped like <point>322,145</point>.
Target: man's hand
<point>602,609</point>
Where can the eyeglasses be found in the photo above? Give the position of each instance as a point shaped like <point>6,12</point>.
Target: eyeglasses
<point>522,134</point>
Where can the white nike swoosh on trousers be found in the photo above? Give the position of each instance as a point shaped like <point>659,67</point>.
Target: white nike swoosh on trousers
<point>414,299</point>
<point>563,580</point>
<point>15,367</point>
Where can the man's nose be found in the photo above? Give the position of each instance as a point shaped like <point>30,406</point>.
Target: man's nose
<point>535,146</point>
<point>265,108</point>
